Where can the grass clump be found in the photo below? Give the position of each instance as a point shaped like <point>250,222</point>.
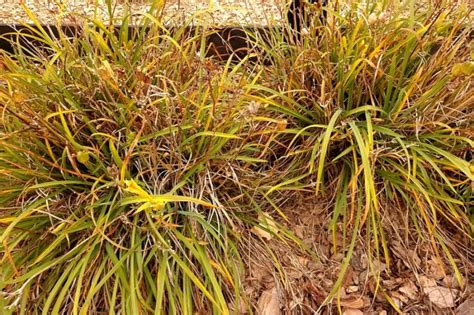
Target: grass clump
<point>380,118</point>
<point>120,171</point>
<point>131,168</point>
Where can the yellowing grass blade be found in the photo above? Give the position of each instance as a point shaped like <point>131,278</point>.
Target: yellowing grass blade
<point>156,201</point>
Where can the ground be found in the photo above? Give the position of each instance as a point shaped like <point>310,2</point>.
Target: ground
<point>416,280</point>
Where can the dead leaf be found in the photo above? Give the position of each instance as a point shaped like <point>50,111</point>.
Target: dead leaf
<point>352,311</point>
<point>269,303</point>
<point>390,284</point>
<point>397,302</point>
<point>364,261</point>
<point>260,273</point>
<point>414,257</point>
<point>348,277</point>
<point>352,302</point>
<point>342,294</point>
<point>426,282</point>
<point>303,261</point>
<point>299,230</point>
<point>436,268</point>
<point>376,267</point>
<point>466,307</point>
<point>410,290</point>
<point>317,294</point>
<point>398,296</point>
<point>294,273</point>
<point>441,297</point>
<point>451,281</point>
<point>266,228</point>
<point>352,289</point>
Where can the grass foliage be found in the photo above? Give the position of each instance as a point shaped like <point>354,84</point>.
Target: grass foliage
<point>131,168</point>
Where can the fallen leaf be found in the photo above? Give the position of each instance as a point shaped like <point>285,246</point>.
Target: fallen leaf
<point>409,290</point>
<point>398,296</point>
<point>352,289</point>
<point>466,307</point>
<point>352,311</point>
<point>390,284</point>
<point>426,282</point>
<point>352,302</point>
<point>364,261</point>
<point>414,257</point>
<point>451,281</point>
<point>266,228</point>
<point>397,302</point>
<point>294,273</point>
<point>317,294</point>
<point>303,261</point>
<point>376,267</point>
<point>342,294</point>
<point>436,268</point>
<point>348,277</point>
<point>259,272</point>
<point>269,303</point>
<point>440,296</point>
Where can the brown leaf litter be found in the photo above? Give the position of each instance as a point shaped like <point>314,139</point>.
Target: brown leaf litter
<point>292,282</point>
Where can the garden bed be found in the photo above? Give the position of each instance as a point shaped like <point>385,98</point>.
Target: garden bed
<point>142,177</point>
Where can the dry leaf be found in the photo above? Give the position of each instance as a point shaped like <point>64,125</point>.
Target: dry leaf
<point>267,227</point>
<point>426,282</point>
<point>269,303</point>
<point>352,311</point>
<point>397,302</point>
<point>377,267</point>
<point>317,294</point>
<point>409,290</point>
<point>294,273</point>
<point>352,302</point>
<point>414,257</point>
<point>436,268</point>
<point>364,261</point>
<point>451,281</point>
<point>303,261</point>
<point>348,277</point>
<point>440,296</point>
<point>342,294</point>
<point>466,307</point>
<point>259,272</point>
<point>352,289</point>
<point>398,296</point>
